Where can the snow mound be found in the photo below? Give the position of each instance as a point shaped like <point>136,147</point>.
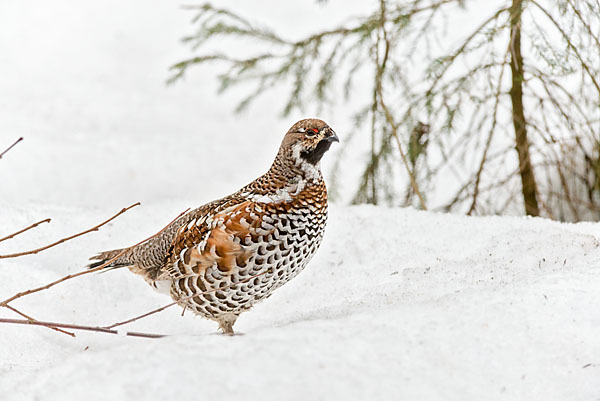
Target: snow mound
<point>397,304</point>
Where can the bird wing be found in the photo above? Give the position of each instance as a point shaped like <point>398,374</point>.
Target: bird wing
<point>220,239</point>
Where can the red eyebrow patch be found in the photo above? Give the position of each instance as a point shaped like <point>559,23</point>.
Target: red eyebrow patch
<point>315,130</point>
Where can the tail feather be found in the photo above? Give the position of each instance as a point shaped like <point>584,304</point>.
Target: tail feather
<point>103,257</point>
<point>127,260</point>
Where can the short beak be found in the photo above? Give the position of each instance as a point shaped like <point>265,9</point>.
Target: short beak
<point>332,138</point>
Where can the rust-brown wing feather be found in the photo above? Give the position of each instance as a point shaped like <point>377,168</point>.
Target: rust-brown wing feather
<point>219,240</point>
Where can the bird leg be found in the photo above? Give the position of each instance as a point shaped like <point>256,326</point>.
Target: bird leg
<point>226,323</point>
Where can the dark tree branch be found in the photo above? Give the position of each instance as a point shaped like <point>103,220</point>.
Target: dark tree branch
<point>10,147</point>
<point>528,181</point>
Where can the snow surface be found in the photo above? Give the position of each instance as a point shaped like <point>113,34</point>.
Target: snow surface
<point>397,303</point>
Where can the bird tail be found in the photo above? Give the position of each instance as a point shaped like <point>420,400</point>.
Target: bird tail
<point>127,260</point>
<point>104,257</point>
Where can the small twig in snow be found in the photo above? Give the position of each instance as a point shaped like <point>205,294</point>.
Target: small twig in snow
<point>57,326</point>
<point>18,312</point>
<point>95,228</point>
<point>80,327</point>
<point>10,147</point>
<point>34,225</point>
<point>70,276</point>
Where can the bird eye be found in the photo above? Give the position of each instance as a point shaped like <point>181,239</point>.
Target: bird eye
<point>311,132</point>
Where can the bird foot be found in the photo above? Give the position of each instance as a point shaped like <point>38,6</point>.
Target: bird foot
<point>226,324</point>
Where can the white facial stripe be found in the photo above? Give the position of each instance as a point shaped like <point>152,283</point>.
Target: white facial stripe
<point>313,172</point>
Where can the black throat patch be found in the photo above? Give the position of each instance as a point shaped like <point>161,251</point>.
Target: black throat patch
<point>315,155</point>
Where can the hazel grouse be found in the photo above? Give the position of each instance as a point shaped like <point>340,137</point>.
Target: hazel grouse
<point>223,257</point>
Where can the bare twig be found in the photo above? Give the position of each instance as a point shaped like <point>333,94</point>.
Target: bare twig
<point>34,225</point>
<point>33,320</point>
<point>162,308</point>
<point>80,327</point>
<point>10,147</point>
<point>489,137</point>
<point>70,276</point>
<point>95,228</point>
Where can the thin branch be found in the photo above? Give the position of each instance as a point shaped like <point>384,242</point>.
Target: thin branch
<point>413,183</point>
<point>70,276</point>
<point>34,225</point>
<point>416,10</point>
<point>490,136</point>
<point>95,228</point>
<point>448,61</point>
<point>388,115</point>
<point>10,147</point>
<point>33,320</point>
<point>570,44</point>
<point>80,327</point>
<point>583,22</point>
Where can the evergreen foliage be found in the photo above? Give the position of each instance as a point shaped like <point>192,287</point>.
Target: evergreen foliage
<point>523,78</point>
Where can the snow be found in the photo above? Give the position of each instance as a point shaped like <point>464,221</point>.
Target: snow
<point>397,303</point>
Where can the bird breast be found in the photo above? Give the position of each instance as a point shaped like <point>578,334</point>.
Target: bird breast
<point>247,250</point>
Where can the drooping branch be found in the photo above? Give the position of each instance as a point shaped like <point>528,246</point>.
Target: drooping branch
<point>295,59</point>
<point>591,74</point>
<point>381,67</point>
<point>448,61</point>
<point>588,28</point>
<point>459,84</point>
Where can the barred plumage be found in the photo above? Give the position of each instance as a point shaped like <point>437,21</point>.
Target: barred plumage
<point>220,259</point>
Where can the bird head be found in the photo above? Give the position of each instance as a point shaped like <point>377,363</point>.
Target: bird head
<point>308,140</point>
